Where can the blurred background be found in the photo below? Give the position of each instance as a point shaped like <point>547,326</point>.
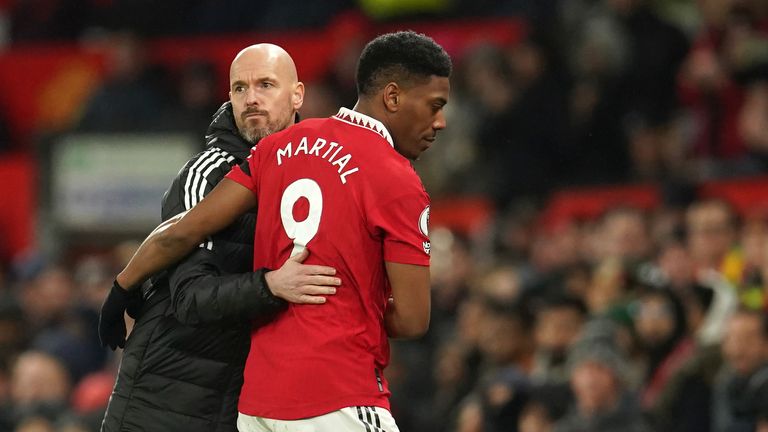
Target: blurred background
<point>600,198</point>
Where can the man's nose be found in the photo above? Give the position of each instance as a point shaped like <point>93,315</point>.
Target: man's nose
<point>252,97</point>
<point>440,122</point>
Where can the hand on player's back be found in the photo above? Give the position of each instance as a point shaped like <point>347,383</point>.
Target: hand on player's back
<point>299,283</point>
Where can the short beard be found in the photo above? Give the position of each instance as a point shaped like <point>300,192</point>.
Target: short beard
<point>255,135</point>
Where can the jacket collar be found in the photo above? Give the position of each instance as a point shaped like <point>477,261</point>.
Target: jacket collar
<point>223,133</point>
<point>364,121</point>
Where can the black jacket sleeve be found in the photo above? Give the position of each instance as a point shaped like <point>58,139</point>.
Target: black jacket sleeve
<point>202,293</point>
<point>215,282</point>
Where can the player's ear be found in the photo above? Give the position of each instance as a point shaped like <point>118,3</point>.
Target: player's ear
<point>297,98</point>
<point>391,97</point>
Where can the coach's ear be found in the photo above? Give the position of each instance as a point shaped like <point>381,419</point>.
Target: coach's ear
<point>297,99</point>
<point>391,97</point>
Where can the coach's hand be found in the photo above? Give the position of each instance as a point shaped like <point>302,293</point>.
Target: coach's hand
<point>299,283</point>
<point>111,319</point>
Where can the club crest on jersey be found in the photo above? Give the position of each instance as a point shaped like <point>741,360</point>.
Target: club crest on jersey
<point>424,228</point>
<point>424,222</point>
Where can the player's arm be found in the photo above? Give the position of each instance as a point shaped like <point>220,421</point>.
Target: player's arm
<point>168,243</point>
<point>407,315</point>
<point>176,237</point>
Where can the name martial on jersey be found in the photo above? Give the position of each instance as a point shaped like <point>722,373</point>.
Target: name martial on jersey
<point>323,149</point>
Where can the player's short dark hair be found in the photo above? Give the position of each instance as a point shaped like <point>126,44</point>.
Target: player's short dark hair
<point>402,57</point>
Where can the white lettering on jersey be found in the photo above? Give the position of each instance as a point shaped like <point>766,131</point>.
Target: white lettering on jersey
<point>341,163</point>
<point>335,153</point>
<point>319,143</point>
<point>332,145</point>
<point>285,151</point>
<point>302,146</point>
<point>344,175</point>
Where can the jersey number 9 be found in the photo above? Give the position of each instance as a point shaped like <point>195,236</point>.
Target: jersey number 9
<point>301,232</point>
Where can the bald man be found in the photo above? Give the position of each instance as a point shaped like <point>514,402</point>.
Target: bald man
<point>182,367</point>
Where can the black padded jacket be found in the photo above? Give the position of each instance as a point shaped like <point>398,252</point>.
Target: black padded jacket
<point>182,367</point>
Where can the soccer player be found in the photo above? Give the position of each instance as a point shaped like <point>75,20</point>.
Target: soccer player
<point>343,187</point>
<point>182,368</point>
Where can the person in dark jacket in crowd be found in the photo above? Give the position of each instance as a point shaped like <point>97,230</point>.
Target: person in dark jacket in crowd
<point>182,367</point>
<point>740,393</point>
<point>602,402</point>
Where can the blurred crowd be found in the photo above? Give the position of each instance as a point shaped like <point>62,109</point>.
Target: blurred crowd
<point>632,321</point>
<point>597,91</point>
<point>610,91</point>
<point>636,320</point>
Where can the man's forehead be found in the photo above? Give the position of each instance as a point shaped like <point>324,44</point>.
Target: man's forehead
<point>253,67</point>
<point>254,74</point>
<point>435,87</point>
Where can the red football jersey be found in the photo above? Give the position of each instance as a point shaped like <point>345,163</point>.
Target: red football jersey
<point>337,186</point>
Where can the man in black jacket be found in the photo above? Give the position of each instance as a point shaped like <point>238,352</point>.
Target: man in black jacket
<point>182,367</point>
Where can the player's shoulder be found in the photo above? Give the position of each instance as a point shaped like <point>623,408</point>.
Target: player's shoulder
<point>395,175</point>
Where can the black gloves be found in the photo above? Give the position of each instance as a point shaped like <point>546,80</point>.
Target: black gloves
<point>111,319</point>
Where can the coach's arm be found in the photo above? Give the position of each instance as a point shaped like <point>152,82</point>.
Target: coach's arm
<point>407,315</point>
<point>202,292</point>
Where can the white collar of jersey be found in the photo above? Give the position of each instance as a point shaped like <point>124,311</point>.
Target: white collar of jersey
<point>362,120</point>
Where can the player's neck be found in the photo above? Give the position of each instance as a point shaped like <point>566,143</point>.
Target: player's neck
<point>366,107</point>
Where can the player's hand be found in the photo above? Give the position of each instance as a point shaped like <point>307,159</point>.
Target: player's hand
<point>299,283</point>
<point>111,318</point>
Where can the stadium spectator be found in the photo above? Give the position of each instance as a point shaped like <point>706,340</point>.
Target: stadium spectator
<point>684,403</point>
<point>711,232</point>
<point>675,265</point>
<point>558,326</point>
<point>196,97</point>
<point>506,345</point>
<point>623,234</point>
<point>603,402</point>
<point>134,94</point>
<point>715,83</point>
<point>741,387</point>
<point>522,140</point>
<point>57,325</point>
<point>546,403</point>
<point>660,324</point>
<point>655,50</point>
<point>752,125</point>
<point>39,384</point>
